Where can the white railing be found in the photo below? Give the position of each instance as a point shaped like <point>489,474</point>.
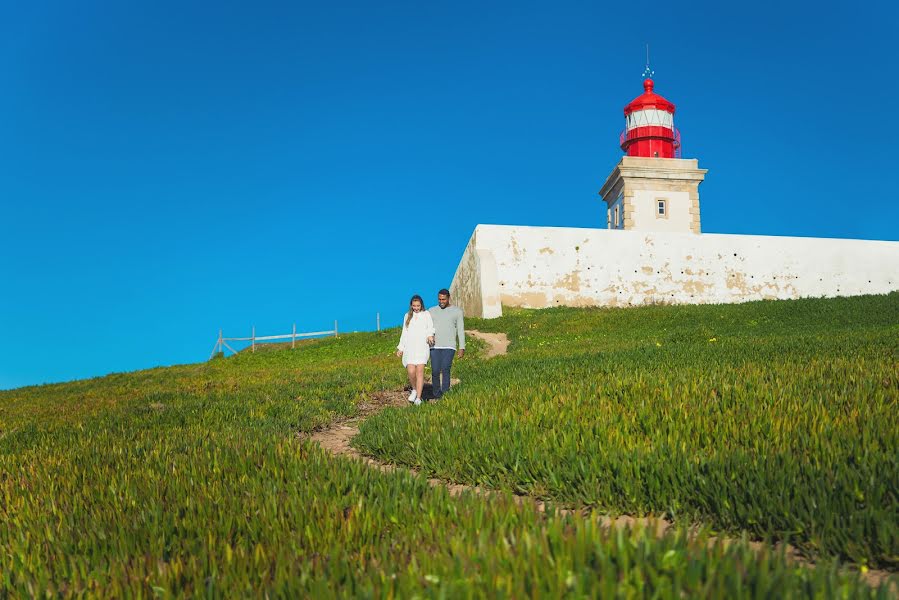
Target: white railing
<point>222,342</point>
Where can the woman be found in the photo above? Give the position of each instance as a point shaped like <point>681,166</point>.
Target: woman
<point>415,345</point>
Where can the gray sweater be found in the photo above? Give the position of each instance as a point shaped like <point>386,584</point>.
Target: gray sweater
<point>449,325</point>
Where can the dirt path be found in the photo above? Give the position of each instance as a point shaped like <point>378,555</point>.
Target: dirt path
<point>498,343</point>
<point>336,440</point>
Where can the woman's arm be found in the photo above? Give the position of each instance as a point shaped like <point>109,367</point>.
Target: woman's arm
<point>402,345</point>
<point>430,325</point>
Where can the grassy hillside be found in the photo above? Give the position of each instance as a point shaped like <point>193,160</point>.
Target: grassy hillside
<point>191,479</point>
<point>776,418</point>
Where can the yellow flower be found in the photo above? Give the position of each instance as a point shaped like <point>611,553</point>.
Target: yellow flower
<point>713,339</point>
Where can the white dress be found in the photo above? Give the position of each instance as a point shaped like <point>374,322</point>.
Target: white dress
<point>414,340</point>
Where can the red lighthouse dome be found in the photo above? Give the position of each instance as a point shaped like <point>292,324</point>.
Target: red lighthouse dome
<point>649,126</point>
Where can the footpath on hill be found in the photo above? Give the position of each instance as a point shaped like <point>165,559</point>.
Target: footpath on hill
<point>336,439</point>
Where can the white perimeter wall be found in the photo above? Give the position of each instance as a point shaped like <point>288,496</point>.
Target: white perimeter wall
<point>538,267</point>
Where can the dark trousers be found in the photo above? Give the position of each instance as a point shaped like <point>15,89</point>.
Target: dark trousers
<point>441,363</point>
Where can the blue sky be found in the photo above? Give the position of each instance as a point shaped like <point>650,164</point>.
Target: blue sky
<point>173,168</point>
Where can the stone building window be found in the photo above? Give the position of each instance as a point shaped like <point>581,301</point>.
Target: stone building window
<point>661,208</point>
<point>617,220</point>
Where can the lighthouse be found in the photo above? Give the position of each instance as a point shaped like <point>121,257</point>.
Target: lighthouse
<point>652,188</point>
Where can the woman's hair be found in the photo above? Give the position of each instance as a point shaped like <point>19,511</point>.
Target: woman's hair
<point>409,314</point>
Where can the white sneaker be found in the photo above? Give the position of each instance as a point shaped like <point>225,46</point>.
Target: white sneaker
<point>417,402</point>
<point>412,397</point>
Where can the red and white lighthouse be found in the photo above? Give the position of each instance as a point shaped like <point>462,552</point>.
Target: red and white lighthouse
<point>652,188</point>
<point>649,126</point>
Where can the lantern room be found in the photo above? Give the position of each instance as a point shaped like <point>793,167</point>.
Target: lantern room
<point>649,126</point>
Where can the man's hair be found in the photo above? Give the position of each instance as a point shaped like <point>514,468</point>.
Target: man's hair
<point>443,292</point>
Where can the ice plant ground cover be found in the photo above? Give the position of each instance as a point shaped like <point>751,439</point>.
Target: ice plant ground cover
<point>191,480</point>
<point>776,418</point>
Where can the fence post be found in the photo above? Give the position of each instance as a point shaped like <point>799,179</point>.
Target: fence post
<point>253,338</point>
<point>335,328</point>
<point>217,346</point>
<point>293,337</point>
<point>379,321</point>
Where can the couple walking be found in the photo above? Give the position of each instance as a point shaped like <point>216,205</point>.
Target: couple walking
<point>431,334</point>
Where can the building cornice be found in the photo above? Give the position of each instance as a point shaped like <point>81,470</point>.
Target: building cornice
<point>672,169</point>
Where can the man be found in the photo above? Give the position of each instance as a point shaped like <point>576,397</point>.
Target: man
<point>449,327</point>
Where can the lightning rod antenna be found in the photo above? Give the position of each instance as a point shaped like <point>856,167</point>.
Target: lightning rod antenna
<point>647,72</point>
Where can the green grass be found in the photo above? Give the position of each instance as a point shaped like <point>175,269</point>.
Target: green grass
<point>779,419</point>
<point>191,480</point>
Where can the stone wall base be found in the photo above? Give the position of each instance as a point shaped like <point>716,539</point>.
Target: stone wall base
<point>540,267</point>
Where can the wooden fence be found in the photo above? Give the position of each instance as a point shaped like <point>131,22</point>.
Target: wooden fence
<point>222,342</point>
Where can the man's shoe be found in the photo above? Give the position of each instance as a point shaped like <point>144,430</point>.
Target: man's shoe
<point>412,396</point>
<point>417,402</point>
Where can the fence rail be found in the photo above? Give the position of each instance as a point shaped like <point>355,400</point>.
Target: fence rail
<point>222,342</point>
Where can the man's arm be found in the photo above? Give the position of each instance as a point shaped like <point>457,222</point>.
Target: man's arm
<point>460,332</point>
